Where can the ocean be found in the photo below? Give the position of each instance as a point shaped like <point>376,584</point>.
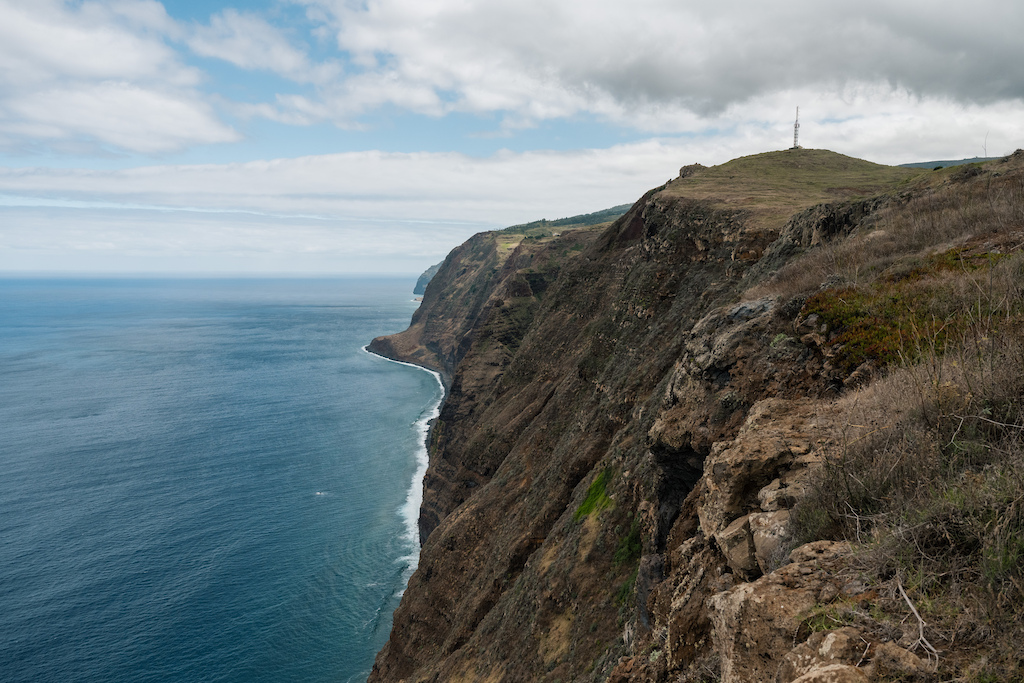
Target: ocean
<point>204,480</point>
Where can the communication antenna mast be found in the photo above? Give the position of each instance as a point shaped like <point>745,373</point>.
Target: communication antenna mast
<point>796,130</point>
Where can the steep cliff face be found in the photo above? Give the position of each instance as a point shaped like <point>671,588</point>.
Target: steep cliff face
<point>632,413</point>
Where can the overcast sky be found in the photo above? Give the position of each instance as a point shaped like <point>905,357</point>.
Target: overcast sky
<point>333,136</point>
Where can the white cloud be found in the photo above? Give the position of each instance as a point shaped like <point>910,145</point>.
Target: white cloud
<point>379,186</point>
<point>248,41</point>
<point>658,66</point>
<point>48,40</point>
<point>120,114</point>
<point>388,212</point>
<point>103,240</point>
<point>509,187</point>
<point>659,62</point>
<point>98,74</point>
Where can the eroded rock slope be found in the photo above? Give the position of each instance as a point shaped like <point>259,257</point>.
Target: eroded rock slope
<point>631,416</point>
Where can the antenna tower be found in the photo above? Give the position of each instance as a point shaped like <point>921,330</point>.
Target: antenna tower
<point>796,130</point>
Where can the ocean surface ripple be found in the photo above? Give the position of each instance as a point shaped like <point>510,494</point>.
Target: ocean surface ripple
<point>204,480</point>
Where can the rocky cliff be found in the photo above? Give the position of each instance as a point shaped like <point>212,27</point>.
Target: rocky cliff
<point>636,412</point>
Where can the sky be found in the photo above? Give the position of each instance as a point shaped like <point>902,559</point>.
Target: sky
<point>320,137</point>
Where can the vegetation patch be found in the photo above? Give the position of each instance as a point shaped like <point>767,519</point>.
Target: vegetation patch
<point>926,478</point>
<point>915,310</point>
<point>625,590</point>
<point>776,185</point>
<point>597,497</point>
<point>629,547</point>
<point>925,471</point>
<point>544,227</point>
<point>827,618</point>
<point>932,211</point>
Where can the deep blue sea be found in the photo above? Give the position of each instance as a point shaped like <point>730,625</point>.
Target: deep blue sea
<point>204,480</point>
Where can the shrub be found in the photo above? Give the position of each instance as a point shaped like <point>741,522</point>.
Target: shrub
<point>986,202</point>
<point>630,546</point>
<point>926,474</point>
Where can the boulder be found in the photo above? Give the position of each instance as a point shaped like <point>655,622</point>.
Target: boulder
<point>775,437</point>
<point>770,533</point>
<point>754,625</point>
<point>822,649</point>
<point>737,544</point>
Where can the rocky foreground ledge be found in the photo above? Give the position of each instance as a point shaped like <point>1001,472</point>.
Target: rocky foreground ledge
<point>646,465</point>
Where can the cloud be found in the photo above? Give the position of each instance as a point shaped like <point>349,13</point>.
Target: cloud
<point>249,42</point>
<point>507,187</point>
<point>134,241</point>
<point>120,114</point>
<point>400,212</point>
<point>661,61</point>
<point>374,186</point>
<point>48,40</point>
<point>660,67</point>
<point>98,75</point>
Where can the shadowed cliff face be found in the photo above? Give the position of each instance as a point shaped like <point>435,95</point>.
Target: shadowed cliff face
<point>571,527</point>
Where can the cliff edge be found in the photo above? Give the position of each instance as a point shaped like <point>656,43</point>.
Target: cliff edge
<point>658,458</point>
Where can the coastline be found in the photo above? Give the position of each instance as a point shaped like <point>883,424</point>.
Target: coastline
<point>410,509</point>
<point>381,346</point>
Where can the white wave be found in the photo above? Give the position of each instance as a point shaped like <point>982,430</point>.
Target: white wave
<point>410,509</point>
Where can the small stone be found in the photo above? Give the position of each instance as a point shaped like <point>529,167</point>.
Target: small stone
<point>724,582</point>
<point>893,662</point>
<point>854,587</point>
<point>834,673</point>
<point>812,339</point>
<point>864,373</point>
<point>808,324</point>
<point>829,592</point>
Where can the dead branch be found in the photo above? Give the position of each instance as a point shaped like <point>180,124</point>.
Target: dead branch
<point>921,640</point>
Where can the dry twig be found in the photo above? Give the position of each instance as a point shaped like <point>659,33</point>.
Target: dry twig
<point>921,640</point>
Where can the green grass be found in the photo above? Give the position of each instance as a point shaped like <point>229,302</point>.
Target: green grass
<point>544,227</point>
<point>625,590</point>
<point>828,617</point>
<point>629,547</point>
<point>597,497</point>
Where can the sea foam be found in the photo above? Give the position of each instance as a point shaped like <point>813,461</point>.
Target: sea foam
<point>410,509</point>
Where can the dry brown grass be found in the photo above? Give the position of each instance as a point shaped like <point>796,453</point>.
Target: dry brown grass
<point>774,185</point>
<point>953,208</point>
<point>927,476</point>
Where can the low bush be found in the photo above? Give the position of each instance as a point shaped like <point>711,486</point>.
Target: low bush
<point>630,546</point>
<point>957,211</point>
<point>925,473</point>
